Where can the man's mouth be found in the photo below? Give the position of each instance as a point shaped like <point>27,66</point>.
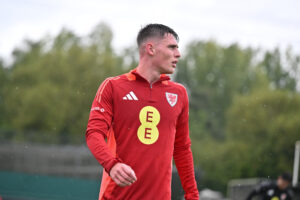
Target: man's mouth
<point>174,63</point>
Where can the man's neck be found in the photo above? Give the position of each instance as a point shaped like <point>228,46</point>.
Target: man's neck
<point>148,73</point>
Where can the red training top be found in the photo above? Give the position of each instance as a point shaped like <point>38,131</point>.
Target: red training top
<point>145,126</point>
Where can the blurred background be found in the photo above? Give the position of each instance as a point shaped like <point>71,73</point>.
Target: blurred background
<point>240,64</point>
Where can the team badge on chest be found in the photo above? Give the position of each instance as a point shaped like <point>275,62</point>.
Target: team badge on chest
<point>171,98</point>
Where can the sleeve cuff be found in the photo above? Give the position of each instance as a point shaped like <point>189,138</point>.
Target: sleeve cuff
<point>111,164</point>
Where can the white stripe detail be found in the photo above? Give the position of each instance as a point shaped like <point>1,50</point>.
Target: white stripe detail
<point>129,97</point>
<point>133,96</point>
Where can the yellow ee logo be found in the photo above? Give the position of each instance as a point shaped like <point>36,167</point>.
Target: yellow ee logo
<point>275,198</point>
<point>148,132</point>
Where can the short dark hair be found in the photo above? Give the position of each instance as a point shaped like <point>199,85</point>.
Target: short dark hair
<point>154,30</point>
<point>286,176</point>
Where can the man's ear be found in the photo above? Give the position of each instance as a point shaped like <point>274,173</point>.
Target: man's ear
<point>150,49</point>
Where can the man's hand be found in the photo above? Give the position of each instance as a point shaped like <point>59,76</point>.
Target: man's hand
<point>122,175</point>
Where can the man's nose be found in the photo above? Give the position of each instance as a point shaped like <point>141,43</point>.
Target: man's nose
<point>177,54</point>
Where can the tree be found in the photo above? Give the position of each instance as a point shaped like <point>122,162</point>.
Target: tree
<point>279,77</point>
<point>220,162</point>
<point>2,83</point>
<point>261,131</point>
<point>293,62</point>
<point>216,76</point>
<point>213,75</point>
<point>53,82</point>
<point>268,123</point>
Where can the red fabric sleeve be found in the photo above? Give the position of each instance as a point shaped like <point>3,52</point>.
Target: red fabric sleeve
<point>183,155</point>
<point>99,124</point>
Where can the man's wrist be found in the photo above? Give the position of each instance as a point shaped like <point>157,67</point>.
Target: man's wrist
<point>111,164</point>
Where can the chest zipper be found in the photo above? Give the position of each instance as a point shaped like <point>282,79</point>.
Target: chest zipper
<point>150,92</point>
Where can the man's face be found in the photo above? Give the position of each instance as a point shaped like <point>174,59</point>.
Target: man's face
<point>281,183</point>
<point>166,54</point>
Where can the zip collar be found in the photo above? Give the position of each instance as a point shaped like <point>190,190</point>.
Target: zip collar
<point>134,75</point>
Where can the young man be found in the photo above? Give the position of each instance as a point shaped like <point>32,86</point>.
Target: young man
<point>144,117</point>
<point>274,191</point>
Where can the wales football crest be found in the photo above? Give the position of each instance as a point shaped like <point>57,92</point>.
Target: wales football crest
<point>171,98</point>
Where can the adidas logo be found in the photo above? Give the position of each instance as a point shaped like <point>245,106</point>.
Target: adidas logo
<point>130,96</point>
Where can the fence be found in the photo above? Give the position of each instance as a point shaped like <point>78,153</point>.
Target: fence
<point>66,160</point>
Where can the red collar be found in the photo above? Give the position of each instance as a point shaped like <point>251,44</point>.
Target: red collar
<point>133,74</point>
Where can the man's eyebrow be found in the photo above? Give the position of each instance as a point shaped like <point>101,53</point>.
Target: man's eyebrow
<point>173,45</point>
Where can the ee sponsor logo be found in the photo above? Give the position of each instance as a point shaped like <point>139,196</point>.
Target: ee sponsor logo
<point>148,132</point>
<point>275,198</point>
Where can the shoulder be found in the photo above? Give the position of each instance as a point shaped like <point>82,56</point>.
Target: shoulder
<point>178,86</point>
<point>115,79</point>
<point>108,84</point>
<point>266,185</point>
<point>290,193</point>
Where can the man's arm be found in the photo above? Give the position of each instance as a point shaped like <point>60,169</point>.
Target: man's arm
<point>259,190</point>
<point>251,195</point>
<point>183,155</point>
<point>98,126</point>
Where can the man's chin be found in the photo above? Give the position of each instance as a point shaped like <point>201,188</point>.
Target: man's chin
<point>169,71</point>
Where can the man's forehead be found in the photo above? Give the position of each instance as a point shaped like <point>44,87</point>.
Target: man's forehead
<point>168,37</point>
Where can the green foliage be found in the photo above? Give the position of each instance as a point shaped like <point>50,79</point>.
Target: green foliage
<point>220,162</point>
<point>53,82</point>
<point>2,81</point>
<point>279,78</point>
<point>218,78</point>
<point>261,131</point>
<point>214,75</point>
<point>268,122</point>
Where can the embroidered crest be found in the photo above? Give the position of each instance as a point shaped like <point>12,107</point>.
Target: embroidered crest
<point>283,196</point>
<point>171,98</point>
